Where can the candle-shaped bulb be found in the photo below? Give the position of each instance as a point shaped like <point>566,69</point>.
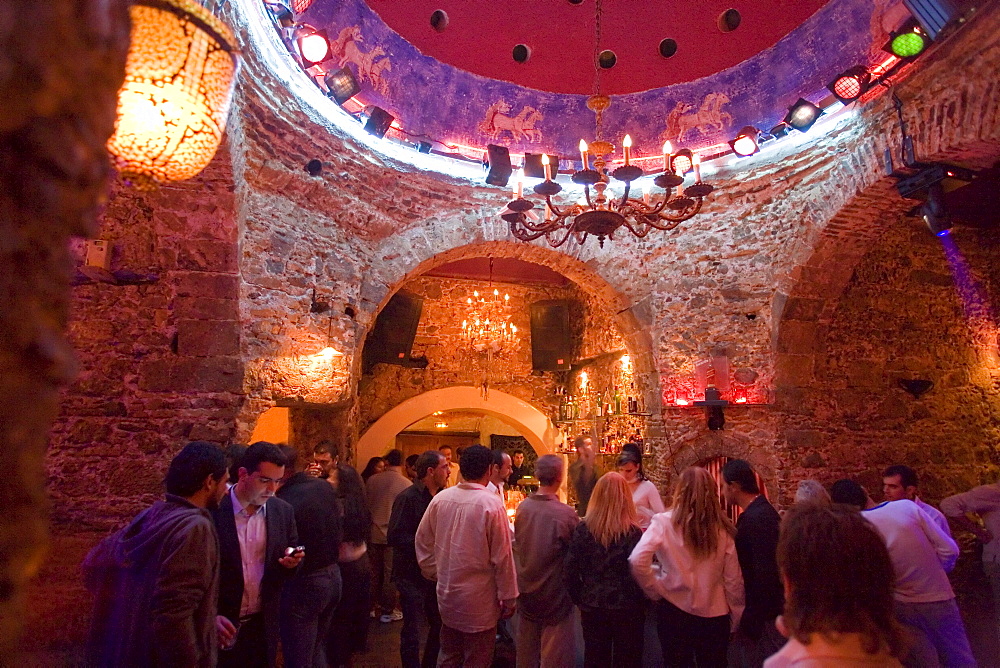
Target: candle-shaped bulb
<point>496,293</point>
<point>583,155</point>
<point>627,145</point>
<point>547,167</point>
<point>667,150</point>
<point>513,329</point>
<point>696,163</point>
<point>506,298</point>
<point>645,193</point>
<point>519,184</point>
<point>475,293</point>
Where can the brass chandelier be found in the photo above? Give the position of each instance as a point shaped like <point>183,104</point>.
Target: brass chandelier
<point>600,213</point>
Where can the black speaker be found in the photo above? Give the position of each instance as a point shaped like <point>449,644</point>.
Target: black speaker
<point>551,335</point>
<point>534,168</point>
<point>379,121</point>
<point>498,162</point>
<point>391,340</point>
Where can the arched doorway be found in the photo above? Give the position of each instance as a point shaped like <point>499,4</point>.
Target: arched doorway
<point>536,427</point>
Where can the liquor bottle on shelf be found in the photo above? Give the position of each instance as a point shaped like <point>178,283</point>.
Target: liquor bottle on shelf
<point>600,408</point>
<point>617,401</point>
<point>576,408</point>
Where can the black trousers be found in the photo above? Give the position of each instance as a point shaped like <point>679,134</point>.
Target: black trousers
<point>689,640</point>
<point>612,638</point>
<point>349,626</point>
<point>419,602</point>
<point>250,650</point>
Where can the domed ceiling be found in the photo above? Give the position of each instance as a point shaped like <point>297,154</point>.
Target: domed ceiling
<point>460,86</point>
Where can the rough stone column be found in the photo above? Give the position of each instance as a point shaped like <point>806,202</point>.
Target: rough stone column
<point>61,65</point>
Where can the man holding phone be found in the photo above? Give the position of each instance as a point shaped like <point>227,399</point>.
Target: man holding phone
<point>255,530</point>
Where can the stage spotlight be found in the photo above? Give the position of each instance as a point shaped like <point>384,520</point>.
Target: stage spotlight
<point>341,85</point>
<point>314,47</point>
<point>379,121</point>
<point>682,162</point>
<point>802,115</point>
<point>934,213</point>
<point>907,42</point>
<point>779,130</point>
<point>534,168</point>
<point>746,141</point>
<point>851,84</point>
<point>498,163</point>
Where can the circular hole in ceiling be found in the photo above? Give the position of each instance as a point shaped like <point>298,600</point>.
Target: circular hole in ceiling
<point>439,20</point>
<point>521,53</point>
<point>729,20</point>
<point>576,2</point>
<point>668,47</point>
<point>607,59</point>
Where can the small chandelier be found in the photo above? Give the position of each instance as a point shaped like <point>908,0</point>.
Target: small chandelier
<point>179,78</point>
<point>487,326</point>
<point>599,214</point>
<point>488,333</point>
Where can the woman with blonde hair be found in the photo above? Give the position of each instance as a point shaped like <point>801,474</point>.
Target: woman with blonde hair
<point>598,577</point>
<point>698,583</point>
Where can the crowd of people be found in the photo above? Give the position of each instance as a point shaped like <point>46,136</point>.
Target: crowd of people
<point>254,553</point>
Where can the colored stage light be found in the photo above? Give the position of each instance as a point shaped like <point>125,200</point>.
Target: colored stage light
<point>746,141</point>
<point>802,115</point>
<point>342,85</point>
<point>379,121</point>
<point>314,47</point>
<point>907,42</point>
<point>851,84</point>
<point>683,161</point>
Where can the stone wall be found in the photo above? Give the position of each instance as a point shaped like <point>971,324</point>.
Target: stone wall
<point>916,307</point>
<point>160,361</point>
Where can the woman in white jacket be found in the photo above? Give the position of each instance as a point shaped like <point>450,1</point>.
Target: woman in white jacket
<point>698,583</point>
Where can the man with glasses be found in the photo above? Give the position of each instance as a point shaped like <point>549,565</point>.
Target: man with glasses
<point>255,532</point>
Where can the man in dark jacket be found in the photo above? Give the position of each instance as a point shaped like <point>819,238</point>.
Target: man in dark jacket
<point>416,594</point>
<point>255,531</point>
<point>757,530</point>
<point>309,599</point>
<point>156,581</point>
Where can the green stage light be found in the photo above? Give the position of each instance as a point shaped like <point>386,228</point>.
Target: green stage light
<point>908,45</point>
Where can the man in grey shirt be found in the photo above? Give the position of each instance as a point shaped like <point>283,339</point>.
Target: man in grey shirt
<point>542,532</point>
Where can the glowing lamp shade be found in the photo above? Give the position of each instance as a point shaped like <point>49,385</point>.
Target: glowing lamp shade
<point>802,115</point>
<point>178,85</point>
<point>746,142</point>
<point>851,84</point>
<point>299,6</point>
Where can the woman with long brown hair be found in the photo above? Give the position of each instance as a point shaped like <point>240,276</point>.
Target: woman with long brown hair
<point>698,583</point>
<point>598,577</point>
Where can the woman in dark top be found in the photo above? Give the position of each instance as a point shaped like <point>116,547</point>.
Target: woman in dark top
<point>349,628</point>
<point>600,581</point>
<point>374,465</point>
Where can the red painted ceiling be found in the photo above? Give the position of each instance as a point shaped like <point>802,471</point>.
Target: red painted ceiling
<point>505,270</point>
<point>481,35</point>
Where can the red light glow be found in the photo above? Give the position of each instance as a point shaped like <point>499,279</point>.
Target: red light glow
<point>681,401</point>
<point>848,88</point>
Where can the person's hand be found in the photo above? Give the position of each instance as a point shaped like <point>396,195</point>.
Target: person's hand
<point>984,535</point>
<point>226,631</point>
<point>315,470</point>
<point>292,560</point>
<point>508,607</point>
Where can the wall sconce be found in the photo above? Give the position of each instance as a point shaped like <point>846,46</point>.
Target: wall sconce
<point>584,380</point>
<point>714,404</point>
<point>172,108</point>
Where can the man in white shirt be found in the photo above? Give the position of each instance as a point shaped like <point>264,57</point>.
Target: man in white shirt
<point>984,503</point>
<point>921,555</point>
<point>463,543</point>
<point>900,482</point>
<point>382,490</point>
<point>502,466</point>
<point>452,465</point>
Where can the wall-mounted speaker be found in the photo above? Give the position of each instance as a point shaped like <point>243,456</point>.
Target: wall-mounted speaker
<point>391,339</point>
<point>498,162</point>
<point>551,335</point>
